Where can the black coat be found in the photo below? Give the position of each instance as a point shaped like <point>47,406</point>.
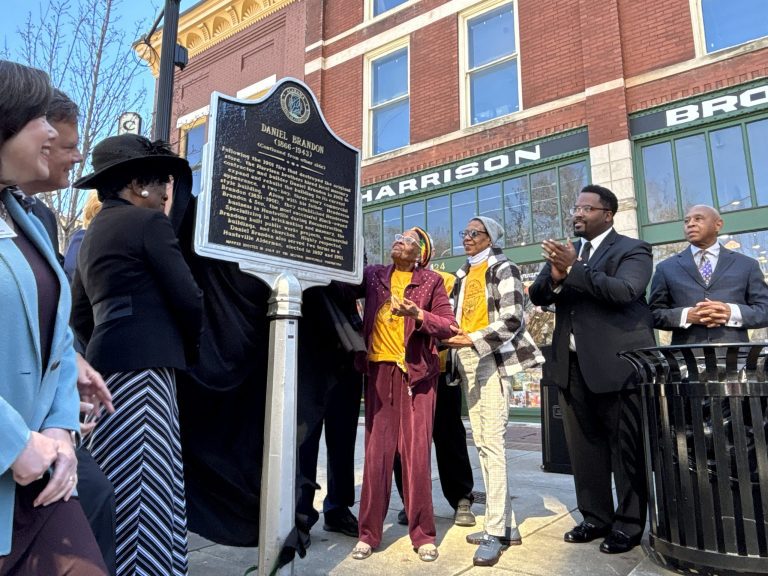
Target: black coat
<point>135,302</point>
<point>603,304</point>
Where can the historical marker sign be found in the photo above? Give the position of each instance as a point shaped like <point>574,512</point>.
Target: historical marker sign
<point>280,190</point>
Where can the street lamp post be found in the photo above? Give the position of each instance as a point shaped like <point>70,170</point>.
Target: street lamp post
<point>167,60</point>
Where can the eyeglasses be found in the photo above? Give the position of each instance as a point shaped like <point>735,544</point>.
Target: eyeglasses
<point>406,239</point>
<point>471,233</point>
<point>586,209</point>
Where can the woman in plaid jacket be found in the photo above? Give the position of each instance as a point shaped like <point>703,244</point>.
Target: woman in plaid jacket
<point>492,347</point>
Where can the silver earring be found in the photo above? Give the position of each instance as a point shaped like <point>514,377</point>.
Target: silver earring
<point>144,194</point>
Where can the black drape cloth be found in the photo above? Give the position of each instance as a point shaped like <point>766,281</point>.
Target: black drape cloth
<point>222,397</point>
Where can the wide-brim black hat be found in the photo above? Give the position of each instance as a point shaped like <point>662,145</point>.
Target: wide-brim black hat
<point>134,152</point>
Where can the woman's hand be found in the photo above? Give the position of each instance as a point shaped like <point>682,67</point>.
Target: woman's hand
<point>34,461</point>
<point>458,340</point>
<point>64,478</point>
<point>406,307</point>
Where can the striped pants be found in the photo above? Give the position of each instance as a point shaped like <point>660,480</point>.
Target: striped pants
<point>487,396</point>
<point>138,449</point>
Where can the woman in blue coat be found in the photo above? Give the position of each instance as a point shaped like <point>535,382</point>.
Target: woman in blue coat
<point>42,529</point>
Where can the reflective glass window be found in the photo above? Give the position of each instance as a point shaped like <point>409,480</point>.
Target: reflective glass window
<point>728,160</point>
<point>757,133</point>
<point>733,22</point>
<point>695,187</point>
<point>517,212</point>
<point>439,225</point>
<point>393,224</point>
<point>372,236</point>
<point>413,215</point>
<point>659,178</point>
<point>546,217</point>
<point>573,177</point>
<point>390,103</point>
<point>381,6</point>
<point>491,56</point>
<point>463,209</point>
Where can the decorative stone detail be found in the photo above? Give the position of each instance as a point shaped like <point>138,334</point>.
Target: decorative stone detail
<point>209,23</point>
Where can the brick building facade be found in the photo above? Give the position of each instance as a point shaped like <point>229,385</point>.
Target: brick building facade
<point>507,108</point>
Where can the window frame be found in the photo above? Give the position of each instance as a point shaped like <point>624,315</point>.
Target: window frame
<point>368,110</point>
<point>369,9</point>
<point>744,220</point>
<point>522,253</point>
<point>465,96</point>
<point>700,33</point>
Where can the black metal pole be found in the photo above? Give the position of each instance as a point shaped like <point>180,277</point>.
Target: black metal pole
<point>164,97</point>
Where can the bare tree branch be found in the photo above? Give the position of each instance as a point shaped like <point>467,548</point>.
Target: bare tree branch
<point>87,51</point>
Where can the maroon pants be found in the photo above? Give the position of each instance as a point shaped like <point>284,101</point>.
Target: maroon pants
<point>396,422</point>
<point>54,540</point>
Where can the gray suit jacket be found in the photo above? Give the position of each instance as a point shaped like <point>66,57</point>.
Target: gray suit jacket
<point>737,279</point>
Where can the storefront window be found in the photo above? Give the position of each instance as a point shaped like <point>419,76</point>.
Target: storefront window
<point>517,211</point>
<point>489,201</point>
<point>492,78</point>
<point>691,164</point>
<point>731,178</point>
<point>393,224</point>
<point>439,225</point>
<point>463,209</point>
<point>734,22</point>
<point>758,148</point>
<point>546,216</point>
<point>413,215</point>
<point>659,176</point>
<point>723,167</point>
<point>533,202</point>
<point>372,236</point>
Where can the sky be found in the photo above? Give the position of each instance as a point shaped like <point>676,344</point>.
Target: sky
<point>15,13</point>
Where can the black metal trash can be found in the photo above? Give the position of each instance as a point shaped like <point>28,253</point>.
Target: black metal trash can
<point>705,428</point>
<point>554,449</point>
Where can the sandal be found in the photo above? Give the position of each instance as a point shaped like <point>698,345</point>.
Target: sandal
<point>428,552</point>
<point>361,551</point>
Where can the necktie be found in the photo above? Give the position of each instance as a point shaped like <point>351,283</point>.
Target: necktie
<point>585,252</point>
<point>705,267</point>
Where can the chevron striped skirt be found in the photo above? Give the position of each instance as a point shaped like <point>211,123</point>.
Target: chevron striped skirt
<point>138,449</point>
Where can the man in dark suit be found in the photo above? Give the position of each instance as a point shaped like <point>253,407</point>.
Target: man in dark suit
<point>707,293</point>
<point>598,288</point>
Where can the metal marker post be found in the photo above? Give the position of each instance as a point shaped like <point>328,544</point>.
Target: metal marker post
<point>278,475</point>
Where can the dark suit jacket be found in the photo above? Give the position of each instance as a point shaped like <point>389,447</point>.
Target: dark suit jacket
<point>737,279</point>
<point>603,304</point>
<point>48,218</point>
<point>136,303</point>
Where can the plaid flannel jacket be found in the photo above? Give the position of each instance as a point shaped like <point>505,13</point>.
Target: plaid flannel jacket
<point>505,336</point>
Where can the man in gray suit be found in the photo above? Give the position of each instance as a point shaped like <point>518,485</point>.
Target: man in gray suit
<point>707,293</point>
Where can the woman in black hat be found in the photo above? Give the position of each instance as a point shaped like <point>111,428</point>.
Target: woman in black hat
<point>42,529</point>
<point>139,310</point>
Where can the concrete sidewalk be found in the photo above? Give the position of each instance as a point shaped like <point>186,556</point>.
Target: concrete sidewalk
<point>544,505</point>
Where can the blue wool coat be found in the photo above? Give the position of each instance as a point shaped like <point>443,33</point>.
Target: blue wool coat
<point>32,398</point>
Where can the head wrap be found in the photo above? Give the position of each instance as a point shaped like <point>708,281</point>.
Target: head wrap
<point>493,228</point>
<point>425,246</point>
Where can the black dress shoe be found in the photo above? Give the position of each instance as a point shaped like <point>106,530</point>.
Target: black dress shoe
<point>341,520</point>
<point>617,543</point>
<point>402,518</point>
<point>586,532</point>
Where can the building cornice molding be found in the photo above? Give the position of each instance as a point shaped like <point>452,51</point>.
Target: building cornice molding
<point>209,23</point>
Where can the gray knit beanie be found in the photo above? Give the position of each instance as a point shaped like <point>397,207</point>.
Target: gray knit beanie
<point>494,229</point>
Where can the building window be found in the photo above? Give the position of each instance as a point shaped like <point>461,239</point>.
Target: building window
<point>389,104</point>
<point>381,6</point>
<point>490,65</point>
<point>731,23</point>
<point>531,207</point>
<point>193,138</point>
<point>721,166</point>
